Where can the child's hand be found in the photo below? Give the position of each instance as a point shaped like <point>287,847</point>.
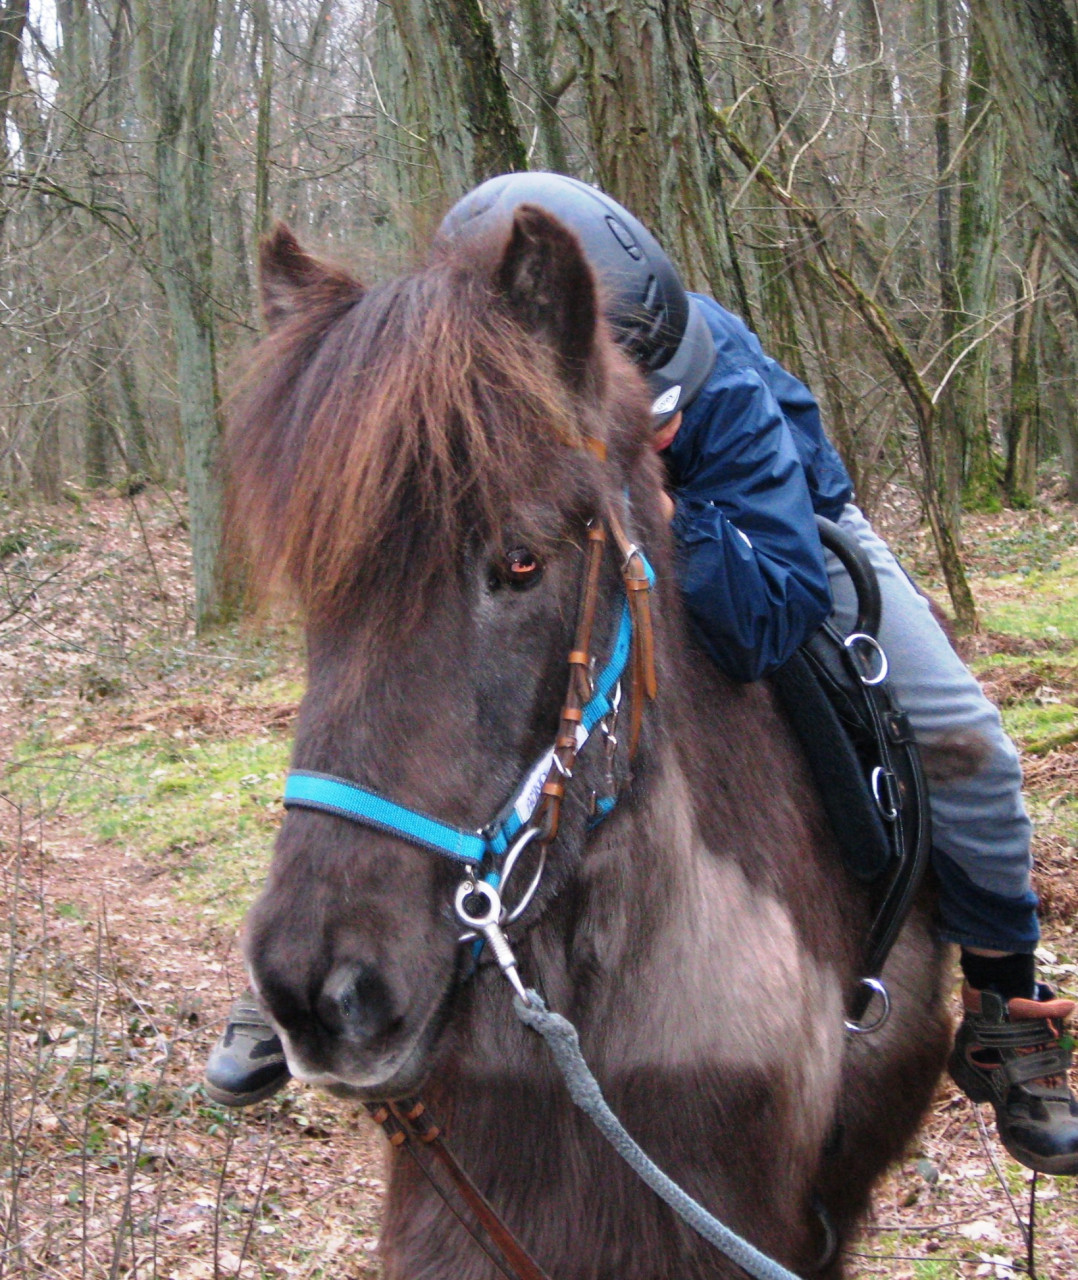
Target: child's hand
<point>667,504</point>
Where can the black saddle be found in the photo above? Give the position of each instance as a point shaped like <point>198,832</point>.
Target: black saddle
<point>857,740</point>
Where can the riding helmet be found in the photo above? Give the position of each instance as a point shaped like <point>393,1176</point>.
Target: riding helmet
<point>652,316</point>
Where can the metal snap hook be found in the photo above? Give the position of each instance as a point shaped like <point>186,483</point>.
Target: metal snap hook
<point>478,905</point>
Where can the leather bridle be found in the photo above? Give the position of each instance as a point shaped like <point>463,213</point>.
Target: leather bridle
<point>490,855</point>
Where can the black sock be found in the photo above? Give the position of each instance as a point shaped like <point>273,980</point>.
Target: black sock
<point>1007,976</point>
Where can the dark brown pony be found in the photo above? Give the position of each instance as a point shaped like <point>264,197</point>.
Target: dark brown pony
<point>396,456</point>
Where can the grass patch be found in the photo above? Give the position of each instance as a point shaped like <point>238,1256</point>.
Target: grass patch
<point>202,811</point>
<point>1035,603</point>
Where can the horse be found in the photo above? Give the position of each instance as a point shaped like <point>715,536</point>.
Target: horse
<point>421,464</point>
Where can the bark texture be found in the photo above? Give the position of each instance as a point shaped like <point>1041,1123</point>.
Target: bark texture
<point>1023,414</point>
<point>648,115</point>
<point>981,176</point>
<point>463,104</point>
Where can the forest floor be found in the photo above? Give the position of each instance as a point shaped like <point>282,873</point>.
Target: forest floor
<point>139,793</point>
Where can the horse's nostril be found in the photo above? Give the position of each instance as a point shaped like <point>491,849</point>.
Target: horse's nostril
<point>355,1003</point>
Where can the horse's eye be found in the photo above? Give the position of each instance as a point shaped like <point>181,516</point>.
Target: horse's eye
<point>518,568</point>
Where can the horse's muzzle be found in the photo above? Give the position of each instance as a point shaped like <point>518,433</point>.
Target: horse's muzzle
<point>355,1005</point>
<point>354,1042</point>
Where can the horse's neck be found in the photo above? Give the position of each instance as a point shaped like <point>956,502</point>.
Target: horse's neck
<point>692,938</point>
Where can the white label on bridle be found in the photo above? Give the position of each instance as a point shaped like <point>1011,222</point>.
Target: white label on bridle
<point>533,783</point>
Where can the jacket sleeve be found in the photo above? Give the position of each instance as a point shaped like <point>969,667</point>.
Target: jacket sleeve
<point>752,567</point>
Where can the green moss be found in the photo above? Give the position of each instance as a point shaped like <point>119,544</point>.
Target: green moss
<point>205,814</point>
<point>1029,722</point>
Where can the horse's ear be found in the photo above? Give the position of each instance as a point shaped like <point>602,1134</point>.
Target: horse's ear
<point>550,288</point>
<point>290,277</point>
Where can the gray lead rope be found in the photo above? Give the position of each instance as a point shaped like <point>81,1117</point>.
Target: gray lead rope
<point>564,1043</point>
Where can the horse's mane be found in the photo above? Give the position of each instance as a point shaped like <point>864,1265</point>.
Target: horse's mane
<point>377,433</point>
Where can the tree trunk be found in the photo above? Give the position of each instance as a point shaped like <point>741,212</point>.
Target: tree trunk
<point>264,27</point>
<point>97,421</point>
<point>977,258</point>
<point>948,440</point>
<point>413,200</point>
<point>12,22</point>
<point>176,48</point>
<point>1059,350</point>
<point>136,445</point>
<point>649,124</point>
<point>464,106</point>
<point>45,469</point>
<point>1020,478</point>
<point>1032,48</point>
<point>538,52</point>
<point>294,203</point>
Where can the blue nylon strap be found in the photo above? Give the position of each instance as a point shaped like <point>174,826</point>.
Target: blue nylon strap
<point>599,705</point>
<point>334,795</point>
<point>308,790</point>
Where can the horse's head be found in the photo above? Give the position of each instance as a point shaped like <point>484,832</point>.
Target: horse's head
<point>418,463</point>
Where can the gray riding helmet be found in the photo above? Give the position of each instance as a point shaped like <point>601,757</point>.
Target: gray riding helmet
<point>653,318</point>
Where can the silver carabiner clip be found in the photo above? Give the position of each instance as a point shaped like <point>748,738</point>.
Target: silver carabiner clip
<point>479,907</point>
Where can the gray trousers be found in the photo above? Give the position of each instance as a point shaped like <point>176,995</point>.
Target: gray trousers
<point>980,830</point>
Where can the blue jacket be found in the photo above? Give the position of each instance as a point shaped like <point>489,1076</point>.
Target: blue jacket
<point>748,467</point>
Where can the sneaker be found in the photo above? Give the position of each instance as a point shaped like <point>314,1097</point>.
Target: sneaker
<point>1015,1054</point>
<point>247,1063</point>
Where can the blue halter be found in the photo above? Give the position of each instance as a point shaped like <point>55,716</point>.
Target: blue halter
<point>308,790</point>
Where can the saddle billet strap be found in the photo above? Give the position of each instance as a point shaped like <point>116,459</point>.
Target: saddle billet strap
<point>897,900</point>
<point>408,1125</point>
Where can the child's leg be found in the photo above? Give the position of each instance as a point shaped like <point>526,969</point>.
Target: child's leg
<point>980,830</point>
<point>1009,1050</point>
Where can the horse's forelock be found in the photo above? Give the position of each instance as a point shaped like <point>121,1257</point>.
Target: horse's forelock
<point>371,441</point>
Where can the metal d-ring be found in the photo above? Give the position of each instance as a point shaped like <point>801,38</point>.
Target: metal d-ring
<point>887,807</point>
<point>862,637</point>
<point>878,989</point>
<point>529,893</point>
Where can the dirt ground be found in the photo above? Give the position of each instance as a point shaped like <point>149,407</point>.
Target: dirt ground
<point>117,981</point>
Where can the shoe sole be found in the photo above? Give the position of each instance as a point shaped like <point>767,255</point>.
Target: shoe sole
<point>1066,1165</point>
<point>224,1098</point>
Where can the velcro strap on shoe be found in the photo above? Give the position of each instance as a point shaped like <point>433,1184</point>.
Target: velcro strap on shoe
<point>1033,1066</point>
<point>1014,1035</point>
